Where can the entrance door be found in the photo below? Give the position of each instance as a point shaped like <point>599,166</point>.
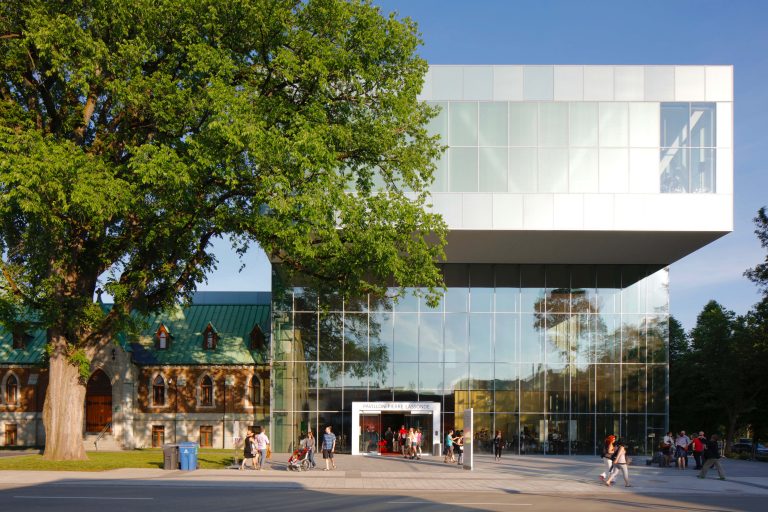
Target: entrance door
<point>370,433</point>
<point>375,425</point>
<point>98,403</point>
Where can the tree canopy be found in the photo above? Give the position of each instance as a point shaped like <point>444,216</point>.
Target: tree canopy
<point>717,372</point>
<point>134,132</point>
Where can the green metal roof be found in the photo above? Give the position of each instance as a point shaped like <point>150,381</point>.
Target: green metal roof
<point>32,353</point>
<point>233,324</point>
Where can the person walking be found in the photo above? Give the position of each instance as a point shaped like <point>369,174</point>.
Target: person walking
<point>699,445</point>
<point>402,435</point>
<point>681,453</point>
<point>409,444</point>
<point>449,447</point>
<point>389,437</point>
<point>609,450</point>
<point>459,441</point>
<point>668,448</point>
<point>262,445</point>
<point>248,449</point>
<point>712,456</point>
<point>620,464</point>
<point>309,444</point>
<point>418,444</point>
<point>498,444</point>
<point>329,447</point>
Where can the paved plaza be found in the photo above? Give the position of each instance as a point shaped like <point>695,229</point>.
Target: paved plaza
<point>395,483</point>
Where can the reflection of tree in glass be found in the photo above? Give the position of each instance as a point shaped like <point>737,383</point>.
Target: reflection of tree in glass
<point>329,335</point>
<point>563,314</point>
<point>576,334</point>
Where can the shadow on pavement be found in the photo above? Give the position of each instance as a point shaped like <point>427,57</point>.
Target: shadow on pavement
<point>72,495</point>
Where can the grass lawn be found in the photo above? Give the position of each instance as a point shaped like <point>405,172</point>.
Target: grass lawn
<point>102,461</point>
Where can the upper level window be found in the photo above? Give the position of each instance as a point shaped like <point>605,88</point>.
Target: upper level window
<point>11,390</point>
<point>258,340</point>
<point>210,338</point>
<point>158,391</point>
<point>163,337</point>
<point>687,161</point>
<point>19,338</point>
<point>206,391</point>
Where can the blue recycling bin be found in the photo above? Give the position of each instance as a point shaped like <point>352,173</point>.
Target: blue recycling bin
<point>188,456</point>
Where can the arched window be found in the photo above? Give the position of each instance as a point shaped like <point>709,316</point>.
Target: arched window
<point>11,390</point>
<point>158,391</point>
<point>254,391</point>
<point>206,391</point>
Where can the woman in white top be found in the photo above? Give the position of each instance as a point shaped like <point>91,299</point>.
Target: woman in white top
<point>608,449</point>
<point>418,443</point>
<point>619,464</point>
<point>409,444</point>
<point>262,442</point>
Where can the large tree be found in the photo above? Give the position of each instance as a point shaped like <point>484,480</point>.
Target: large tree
<point>134,132</point>
<point>757,322</point>
<point>728,372</point>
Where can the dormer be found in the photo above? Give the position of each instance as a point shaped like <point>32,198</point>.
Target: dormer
<point>20,339</point>
<point>162,338</point>
<point>258,340</point>
<point>210,337</point>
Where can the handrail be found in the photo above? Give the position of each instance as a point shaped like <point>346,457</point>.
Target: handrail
<point>103,432</point>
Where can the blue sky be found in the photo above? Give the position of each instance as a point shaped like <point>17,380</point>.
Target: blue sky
<point>613,32</point>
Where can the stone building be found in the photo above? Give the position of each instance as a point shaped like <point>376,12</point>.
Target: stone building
<point>198,373</point>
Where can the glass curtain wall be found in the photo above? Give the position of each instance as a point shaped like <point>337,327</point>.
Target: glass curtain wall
<point>575,147</point>
<point>556,357</point>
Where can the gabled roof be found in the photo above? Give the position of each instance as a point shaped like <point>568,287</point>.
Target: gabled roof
<point>234,316</point>
<point>234,323</point>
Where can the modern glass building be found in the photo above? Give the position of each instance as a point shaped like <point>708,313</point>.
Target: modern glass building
<point>568,190</point>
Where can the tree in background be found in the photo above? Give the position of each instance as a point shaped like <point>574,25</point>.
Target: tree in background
<point>712,373</point>
<point>757,321</point>
<point>724,369</point>
<point>684,402</point>
<point>759,274</point>
<point>717,372</point>
<point>134,132</point>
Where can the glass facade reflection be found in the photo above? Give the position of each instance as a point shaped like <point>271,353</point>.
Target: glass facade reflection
<point>575,146</point>
<point>688,147</point>
<point>554,356</point>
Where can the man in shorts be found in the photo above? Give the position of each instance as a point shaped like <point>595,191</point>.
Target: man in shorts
<point>329,446</point>
<point>449,447</point>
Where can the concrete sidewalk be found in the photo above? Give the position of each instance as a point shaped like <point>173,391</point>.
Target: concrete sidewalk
<point>515,474</point>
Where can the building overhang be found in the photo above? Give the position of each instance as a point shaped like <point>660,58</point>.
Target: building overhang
<point>575,247</point>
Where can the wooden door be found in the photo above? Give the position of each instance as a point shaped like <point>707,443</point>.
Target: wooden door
<point>98,413</point>
<point>98,402</point>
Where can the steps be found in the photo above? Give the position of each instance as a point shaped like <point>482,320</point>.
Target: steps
<point>107,443</point>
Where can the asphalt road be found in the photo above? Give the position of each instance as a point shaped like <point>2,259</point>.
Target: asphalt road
<point>80,497</point>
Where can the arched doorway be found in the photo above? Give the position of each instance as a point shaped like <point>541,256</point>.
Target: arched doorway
<point>98,402</point>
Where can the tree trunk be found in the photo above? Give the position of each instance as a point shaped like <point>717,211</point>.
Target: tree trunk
<point>63,409</point>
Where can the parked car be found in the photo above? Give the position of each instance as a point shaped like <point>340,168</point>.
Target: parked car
<point>745,446</point>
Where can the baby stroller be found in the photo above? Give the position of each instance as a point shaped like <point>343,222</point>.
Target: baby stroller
<point>299,460</point>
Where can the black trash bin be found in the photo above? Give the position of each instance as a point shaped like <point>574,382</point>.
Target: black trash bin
<point>170,456</point>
